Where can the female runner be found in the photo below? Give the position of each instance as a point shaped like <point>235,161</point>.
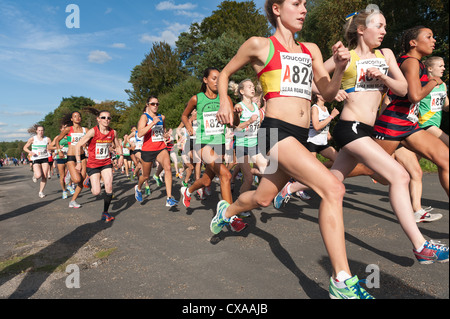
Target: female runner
<point>286,70</point>
<point>99,165</point>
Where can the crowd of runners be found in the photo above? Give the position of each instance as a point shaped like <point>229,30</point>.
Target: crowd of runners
<point>270,139</point>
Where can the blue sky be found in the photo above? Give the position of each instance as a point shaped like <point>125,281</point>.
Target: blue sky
<point>42,60</point>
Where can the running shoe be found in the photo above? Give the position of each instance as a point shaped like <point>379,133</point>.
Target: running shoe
<point>158,180</point>
<point>303,195</point>
<point>41,195</point>
<point>70,189</point>
<point>64,195</point>
<point>201,194</point>
<point>171,202</point>
<point>207,190</point>
<point>74,204</point>
<point>424,216</point>
<point>237,224</point>
<point>107,217</point>
<point>185,184</point>
<point>186,199</point>
<point>218,221</point>
<point>282,197</point>
<point>147,190</point>
<point>137,194</point>
<point>352,290</point>
<point>86,182</point>
<point>432,252</point>
<point>245,214</point>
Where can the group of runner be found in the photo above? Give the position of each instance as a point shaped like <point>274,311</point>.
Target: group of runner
<point>277,141</point>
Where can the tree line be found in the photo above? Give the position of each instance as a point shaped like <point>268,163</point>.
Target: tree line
<point>174,73</point>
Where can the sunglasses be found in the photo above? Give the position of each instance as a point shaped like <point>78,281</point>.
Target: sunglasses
<point>105,118</point>
<point>154,104</point>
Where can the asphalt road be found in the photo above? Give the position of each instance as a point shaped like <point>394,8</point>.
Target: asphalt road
<point>151,252</point>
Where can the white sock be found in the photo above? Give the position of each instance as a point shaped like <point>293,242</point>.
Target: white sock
<point>187,192</point>
<point>341,277</point>
<point>421,247</point>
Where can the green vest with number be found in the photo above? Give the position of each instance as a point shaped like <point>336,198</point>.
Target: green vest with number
<point>209,130</point>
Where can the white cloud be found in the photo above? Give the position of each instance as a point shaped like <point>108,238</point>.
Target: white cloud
<point>170,35</point>
<point>119,45</point>
<point>99,57</point>
<point>170,5</point>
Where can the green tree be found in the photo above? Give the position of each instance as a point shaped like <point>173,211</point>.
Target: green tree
<point>241,20</point>
<point>160,70</point>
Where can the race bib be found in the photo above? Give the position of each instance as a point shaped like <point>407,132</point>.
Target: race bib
<point>365,83</point>
<point>437,101</point>
<point>252,129</point>
<point>296,75</point>
<point>211,124</point>
<point>40,152</point>
<point>76,137</point>
<point>158,133</point>
<point>413,114</point>
<point>101,151</point>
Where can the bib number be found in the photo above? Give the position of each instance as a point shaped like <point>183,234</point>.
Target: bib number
<point>365,83</point>
<point>296,75</point>
<point>413,114</point>
<point>158,133</point>
<point>101,151</point>
<point>437,101</point>
<point>211,124</point>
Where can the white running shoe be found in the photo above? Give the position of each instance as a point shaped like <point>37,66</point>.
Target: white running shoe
<point>303,195</point>
<point>74,204</point>
<point>423,216</point>
<point>41,195</point>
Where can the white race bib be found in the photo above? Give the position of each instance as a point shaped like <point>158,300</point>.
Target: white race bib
<point>437,101</point>
<point>101,151</point>
<point>211,124</point>
<point>296,75</point>
<point>158,133</point>
<point>413,114</point>
<point>365,83</point>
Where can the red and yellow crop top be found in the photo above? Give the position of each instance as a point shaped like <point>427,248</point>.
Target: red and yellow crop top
<point>286,74</point>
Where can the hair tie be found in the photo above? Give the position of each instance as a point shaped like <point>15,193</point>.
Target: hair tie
<point>351,15</point>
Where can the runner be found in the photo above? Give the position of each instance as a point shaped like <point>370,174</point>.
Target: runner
<point>399,121</point>
<point>367,75</point>
<point>74,132</point>
<point>99,165</point>
<point>431,107</point>
<point>39,157</point>
<point>288,96</point>
<point>246,133</point>
<point>151,126</point>
<point>210,139</point>
<point>61,160</point>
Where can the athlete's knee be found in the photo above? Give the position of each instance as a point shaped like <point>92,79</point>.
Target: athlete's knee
<point>400,177</point>
<point>96,191</point>
<point>335,191</point>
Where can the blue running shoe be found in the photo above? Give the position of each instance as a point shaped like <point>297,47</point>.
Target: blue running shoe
<point>282,197</point>
<point>218,221</point>
<point>432,252</point>
<point>351,290</point>
<point>107,217</point>
<point>137,194</point>
<point>171,202</point>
